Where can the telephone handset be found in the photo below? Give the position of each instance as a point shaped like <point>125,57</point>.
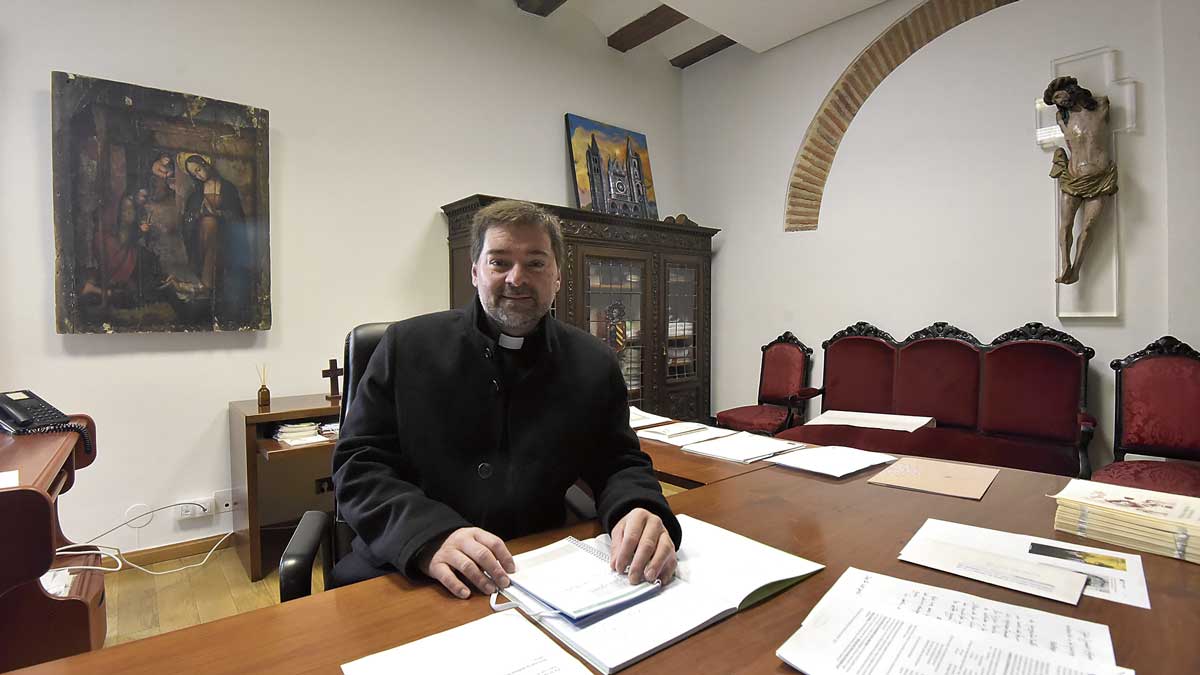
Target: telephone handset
<point>24,412</point>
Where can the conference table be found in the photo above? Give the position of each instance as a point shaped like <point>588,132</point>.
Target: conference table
<point>839,523</point>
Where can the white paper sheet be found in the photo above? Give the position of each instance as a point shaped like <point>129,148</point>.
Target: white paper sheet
<point>10,479</point>
<point>1111,575</point>
<point>499,644</point>
<point>700,432</point>
<point>999,570</point>
<point>743,447</point>
<point>305,440</point>
<point>908,423</point>
<point>872,624</point>
<point>831,460</point>
<point>640,418</point>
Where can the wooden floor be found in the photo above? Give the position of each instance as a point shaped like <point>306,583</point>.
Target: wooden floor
<point>141,605</point>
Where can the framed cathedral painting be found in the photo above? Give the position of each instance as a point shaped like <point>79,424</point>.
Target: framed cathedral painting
<point>612,169</point>
<point>161,210</point>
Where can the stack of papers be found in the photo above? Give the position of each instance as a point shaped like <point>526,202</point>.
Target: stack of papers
<point>1051,569</point>
<point>871,624</point>
<point>847,418</point>
<point>683,433</point>
<point>299,433</point>
<point>743,447</point>
<point>832,460</point>
<point>1155,522</point>
<point>499,644</point>
<point>640,418</point>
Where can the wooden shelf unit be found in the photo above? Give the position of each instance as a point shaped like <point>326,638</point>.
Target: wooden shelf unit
<point>252,451</point>
<point>39,626</point>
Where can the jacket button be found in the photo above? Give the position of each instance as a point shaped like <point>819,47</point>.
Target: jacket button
<point>487,352</point>
<point>496,385</point>
<point>484,470</point>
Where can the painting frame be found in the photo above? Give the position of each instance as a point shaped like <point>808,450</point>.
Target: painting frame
<point>607,177</point>
<point>161,210</point>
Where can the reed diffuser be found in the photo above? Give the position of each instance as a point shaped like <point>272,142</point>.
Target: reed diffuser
<point>264,394</point>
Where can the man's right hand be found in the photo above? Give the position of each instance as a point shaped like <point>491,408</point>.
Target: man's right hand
<point>471,552</point>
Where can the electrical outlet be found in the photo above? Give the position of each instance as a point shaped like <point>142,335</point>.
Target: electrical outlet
<point>323,485</point>
<point>191,510</point>
<point>226,501</point>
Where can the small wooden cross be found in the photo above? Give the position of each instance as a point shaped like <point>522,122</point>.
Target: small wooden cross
<point>333,373</point>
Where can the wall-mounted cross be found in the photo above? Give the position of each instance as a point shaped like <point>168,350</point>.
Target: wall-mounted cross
<point>333,373</point>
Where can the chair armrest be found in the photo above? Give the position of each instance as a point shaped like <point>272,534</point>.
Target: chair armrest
<point>809,393</point>
<point>296,565</point>
<point>580,503</point>
<point>1087,429</point>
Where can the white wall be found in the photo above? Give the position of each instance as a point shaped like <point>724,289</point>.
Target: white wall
<point>937,206</point>
<point>1181,54</point>
<point>381,111</point>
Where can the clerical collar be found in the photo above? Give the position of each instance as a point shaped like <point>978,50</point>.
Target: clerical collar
<point>510,342</point>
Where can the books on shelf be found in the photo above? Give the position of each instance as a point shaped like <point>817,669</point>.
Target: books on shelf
<point>743,447</point>
<point>302,433</point>
<point>1155,522</point>
<point>866,420</point>
<point>719,573</point>
<point>683,433</point>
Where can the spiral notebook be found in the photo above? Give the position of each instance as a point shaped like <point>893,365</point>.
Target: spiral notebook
<point>574,579</point>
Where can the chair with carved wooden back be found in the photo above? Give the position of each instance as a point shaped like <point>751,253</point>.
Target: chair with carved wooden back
<point>783,389</point>
<point>1158,398</point>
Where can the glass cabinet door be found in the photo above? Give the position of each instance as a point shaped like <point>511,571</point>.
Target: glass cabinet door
<point>613,297</point>
<point>682,302</point>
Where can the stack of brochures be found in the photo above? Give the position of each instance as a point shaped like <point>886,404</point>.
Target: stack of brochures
<point>871,624</point>
<point>683,433</point>
<point>1155,522</point>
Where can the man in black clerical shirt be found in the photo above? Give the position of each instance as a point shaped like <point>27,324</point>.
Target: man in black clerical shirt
<point>469,425</point>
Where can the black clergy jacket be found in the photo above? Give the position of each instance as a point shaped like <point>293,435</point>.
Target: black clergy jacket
<point>436,438</point>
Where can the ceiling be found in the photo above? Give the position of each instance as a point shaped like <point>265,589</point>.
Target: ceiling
<point>686,31</point>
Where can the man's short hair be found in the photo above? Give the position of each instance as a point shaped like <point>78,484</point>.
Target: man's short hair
<point>513,212</point>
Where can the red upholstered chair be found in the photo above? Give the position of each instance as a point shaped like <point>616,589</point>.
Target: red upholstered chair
<point>1158,413</point>
<point>782,389</point>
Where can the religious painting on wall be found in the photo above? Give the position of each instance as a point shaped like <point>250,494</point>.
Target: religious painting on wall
<point>161,210</point>
<point>612,169</point>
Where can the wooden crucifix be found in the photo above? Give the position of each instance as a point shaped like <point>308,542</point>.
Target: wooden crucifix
<point>333,373</point>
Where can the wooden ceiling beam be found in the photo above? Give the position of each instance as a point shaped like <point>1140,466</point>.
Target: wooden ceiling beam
<point>640,30</point>
<point>540,7</point>
<point>702,51</point>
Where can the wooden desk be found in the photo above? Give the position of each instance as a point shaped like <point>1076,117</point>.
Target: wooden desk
<point>251,448</point>
<point>835,523</point>
<point>674,466</point>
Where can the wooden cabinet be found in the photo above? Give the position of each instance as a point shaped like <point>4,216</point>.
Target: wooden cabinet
<point>641,286</point>
<point>273,481</point>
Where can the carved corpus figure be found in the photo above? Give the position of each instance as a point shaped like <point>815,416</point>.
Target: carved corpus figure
<point>1087,178</point>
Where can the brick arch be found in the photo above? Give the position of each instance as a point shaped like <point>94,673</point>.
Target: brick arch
<point>901,40</point>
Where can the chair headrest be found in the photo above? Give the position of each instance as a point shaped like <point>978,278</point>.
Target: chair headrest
<point>360,345</point>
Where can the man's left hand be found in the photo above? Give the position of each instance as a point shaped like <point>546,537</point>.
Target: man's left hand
<point>641,544</point>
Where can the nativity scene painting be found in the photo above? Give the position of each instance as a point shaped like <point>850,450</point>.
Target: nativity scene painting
<point>161,211</point>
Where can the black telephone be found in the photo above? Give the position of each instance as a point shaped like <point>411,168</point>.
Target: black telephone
<point>24,412</point>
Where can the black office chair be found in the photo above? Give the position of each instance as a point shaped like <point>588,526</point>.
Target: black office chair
<point>314,533</point>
